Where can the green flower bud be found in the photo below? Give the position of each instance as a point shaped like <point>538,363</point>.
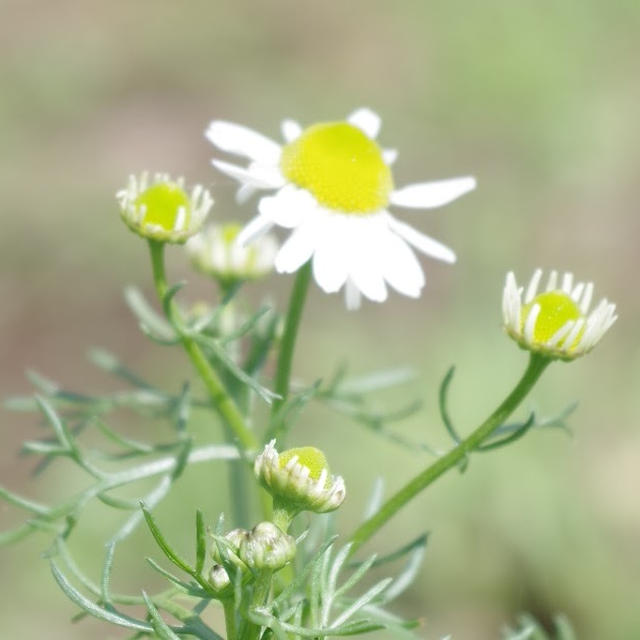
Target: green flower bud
<point>267,547</point>
<point>556,323</point>
<point>160,208</point>
<point>299,479</point>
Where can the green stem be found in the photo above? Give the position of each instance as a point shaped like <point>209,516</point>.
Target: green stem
<point>537,365</point>
<point>223,403</point>
<point>281,517</point>
<point>230,618</point>
<point>287,347</point>
<point>261,590</point>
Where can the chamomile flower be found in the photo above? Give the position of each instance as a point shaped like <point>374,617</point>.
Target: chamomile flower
<point>299,479</point>
<point>215,251</point>
<point>556,322</point>
<point>334,186</point>
<point>160,208</point>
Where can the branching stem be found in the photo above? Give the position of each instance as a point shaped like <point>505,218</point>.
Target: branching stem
<point>537,364</point>
<point>221,400</point>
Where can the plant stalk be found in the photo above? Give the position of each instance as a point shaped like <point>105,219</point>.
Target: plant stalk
<point>221,400</point>
<point>287,347</point>
<point>537,364</point>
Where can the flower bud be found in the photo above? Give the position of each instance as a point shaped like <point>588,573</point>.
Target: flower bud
<point>231,544</point>
<point>218,577</point>
<point>216,252</point>
<point>299,479</point>
<point>555,323</point>
<point>160,209</point>
<point>267,547</point>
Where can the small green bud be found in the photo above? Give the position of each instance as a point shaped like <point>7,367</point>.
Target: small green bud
<point>218,577</point>
<point>267,547</point>
<point>160,208</point>
<point>299,479</point>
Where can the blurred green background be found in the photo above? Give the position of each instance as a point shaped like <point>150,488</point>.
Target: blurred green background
<point>538,99</point>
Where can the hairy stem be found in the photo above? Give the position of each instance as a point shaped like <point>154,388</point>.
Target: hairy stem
<point>367,529</point>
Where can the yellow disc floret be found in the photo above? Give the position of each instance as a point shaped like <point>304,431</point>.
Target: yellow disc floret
<point>556,309</point>
<point>309,457</point>
<point>165,205</point>
<point>341,166</point>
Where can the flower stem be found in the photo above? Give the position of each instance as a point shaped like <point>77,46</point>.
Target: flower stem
<point>221,400</point>
<point>287,347</point>
<point>261,590</point>
<point>537,364</point>
<point>230,618</point>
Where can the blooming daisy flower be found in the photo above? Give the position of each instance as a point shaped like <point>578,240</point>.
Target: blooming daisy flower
<point>556,322</point>
<point>215,252</point>
<point>334,186</point>
<point>161,209</point>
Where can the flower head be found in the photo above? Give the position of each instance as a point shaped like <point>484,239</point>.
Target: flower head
<point>267,547</point>
<point>216,252</point>
<point>160,208</point>
<point>555,323</point>
<point>299,479</point>
<point>334,186</point>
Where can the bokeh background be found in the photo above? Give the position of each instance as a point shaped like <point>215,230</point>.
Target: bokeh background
<point>538,99</point>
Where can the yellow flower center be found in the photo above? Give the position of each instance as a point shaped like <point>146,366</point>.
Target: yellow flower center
<point>165,205</point>
<point>309,457</point>
<point>340,166</point>
<point>230,232</point>
<point>556,309</point>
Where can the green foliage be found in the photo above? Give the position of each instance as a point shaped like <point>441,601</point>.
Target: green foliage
<point>324,592</point>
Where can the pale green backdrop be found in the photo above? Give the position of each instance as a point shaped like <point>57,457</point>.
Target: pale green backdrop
<point>538,99</point>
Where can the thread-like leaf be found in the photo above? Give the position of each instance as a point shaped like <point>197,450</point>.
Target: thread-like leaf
<point>162,543</point>
<point>92,608</point>
<point>443,394</point>
<point>162,629</point>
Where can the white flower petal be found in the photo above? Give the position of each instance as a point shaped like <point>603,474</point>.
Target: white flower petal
<point>254,228</point>
<point>401,267</point>
<point>290,130</point>
<point>365,266</point>
<point>257,176</point>
<point>330,260</point>
<point>366,120</point>
<point>244,193</point>
<point>420,241</point>
<point>234,138</point>
<point>428,195</point>
<point>533,286</point>
<point>297,249</point>
<point>288,207</point>
<point>352,297</point>
<point>389,156</point>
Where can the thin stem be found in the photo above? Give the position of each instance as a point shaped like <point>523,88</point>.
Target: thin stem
<point>222,401</point>
<point>230,618</point>
<point>285,356</point>
<point>536,366</point>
